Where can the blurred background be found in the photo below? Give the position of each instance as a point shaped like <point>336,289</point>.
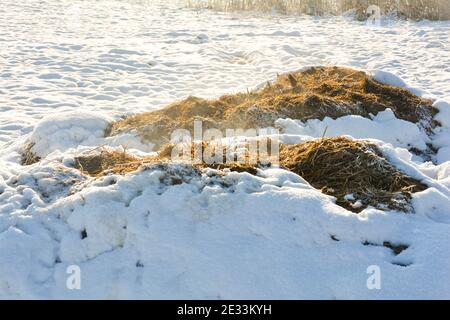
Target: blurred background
<point>411,9</point>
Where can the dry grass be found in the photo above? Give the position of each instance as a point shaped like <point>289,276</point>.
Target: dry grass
<point>336,166</point>
<point>312,94</point>
<point>412,9</point>
<point>228,158</point>
<point>28,156</point>
<point>101,161</point>
<point>340,166</point>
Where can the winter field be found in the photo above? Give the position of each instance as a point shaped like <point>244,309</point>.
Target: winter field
<point>69,69</point>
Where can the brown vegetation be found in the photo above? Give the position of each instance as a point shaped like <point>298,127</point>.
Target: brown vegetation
<point>102,161</point>
<point>411,9</point>
<point>28,156</point>
<point>336,166</point>
<point>341,167</point>
<point>315,93</point>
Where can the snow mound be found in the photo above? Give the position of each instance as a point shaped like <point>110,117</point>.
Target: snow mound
<point>392,79</point>
<point>173,231</point>
<point>37,186</point>
<point>63,131</point>
<point>406,135</point>
<point>442,133</point>
<point>389,78</point>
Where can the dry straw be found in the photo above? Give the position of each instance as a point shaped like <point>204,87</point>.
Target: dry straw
<point>315,93</point>
<point>337,166</point>
<point>350,171</point>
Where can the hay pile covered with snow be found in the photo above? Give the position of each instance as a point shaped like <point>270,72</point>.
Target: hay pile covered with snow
<point>355,172</point>
<point>93,193</point>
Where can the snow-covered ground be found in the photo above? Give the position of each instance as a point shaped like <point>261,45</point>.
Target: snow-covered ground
<point>69,68</point>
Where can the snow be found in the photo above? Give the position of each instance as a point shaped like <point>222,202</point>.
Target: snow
<point>392,79</point>
<point>388,78</point>
<point>75,67</point>
<point>155,240</point>
<point>441,139</point>
<point>406,135</point>
<point>67,130</point>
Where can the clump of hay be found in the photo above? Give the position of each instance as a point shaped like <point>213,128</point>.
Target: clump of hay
<point>28,157</point>
<point>314,93</point>
<point>342,167</point>
<point>102,161</point>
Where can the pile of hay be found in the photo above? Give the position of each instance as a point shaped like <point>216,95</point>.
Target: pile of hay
<point>354,172</point>
<point>315,93</point>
